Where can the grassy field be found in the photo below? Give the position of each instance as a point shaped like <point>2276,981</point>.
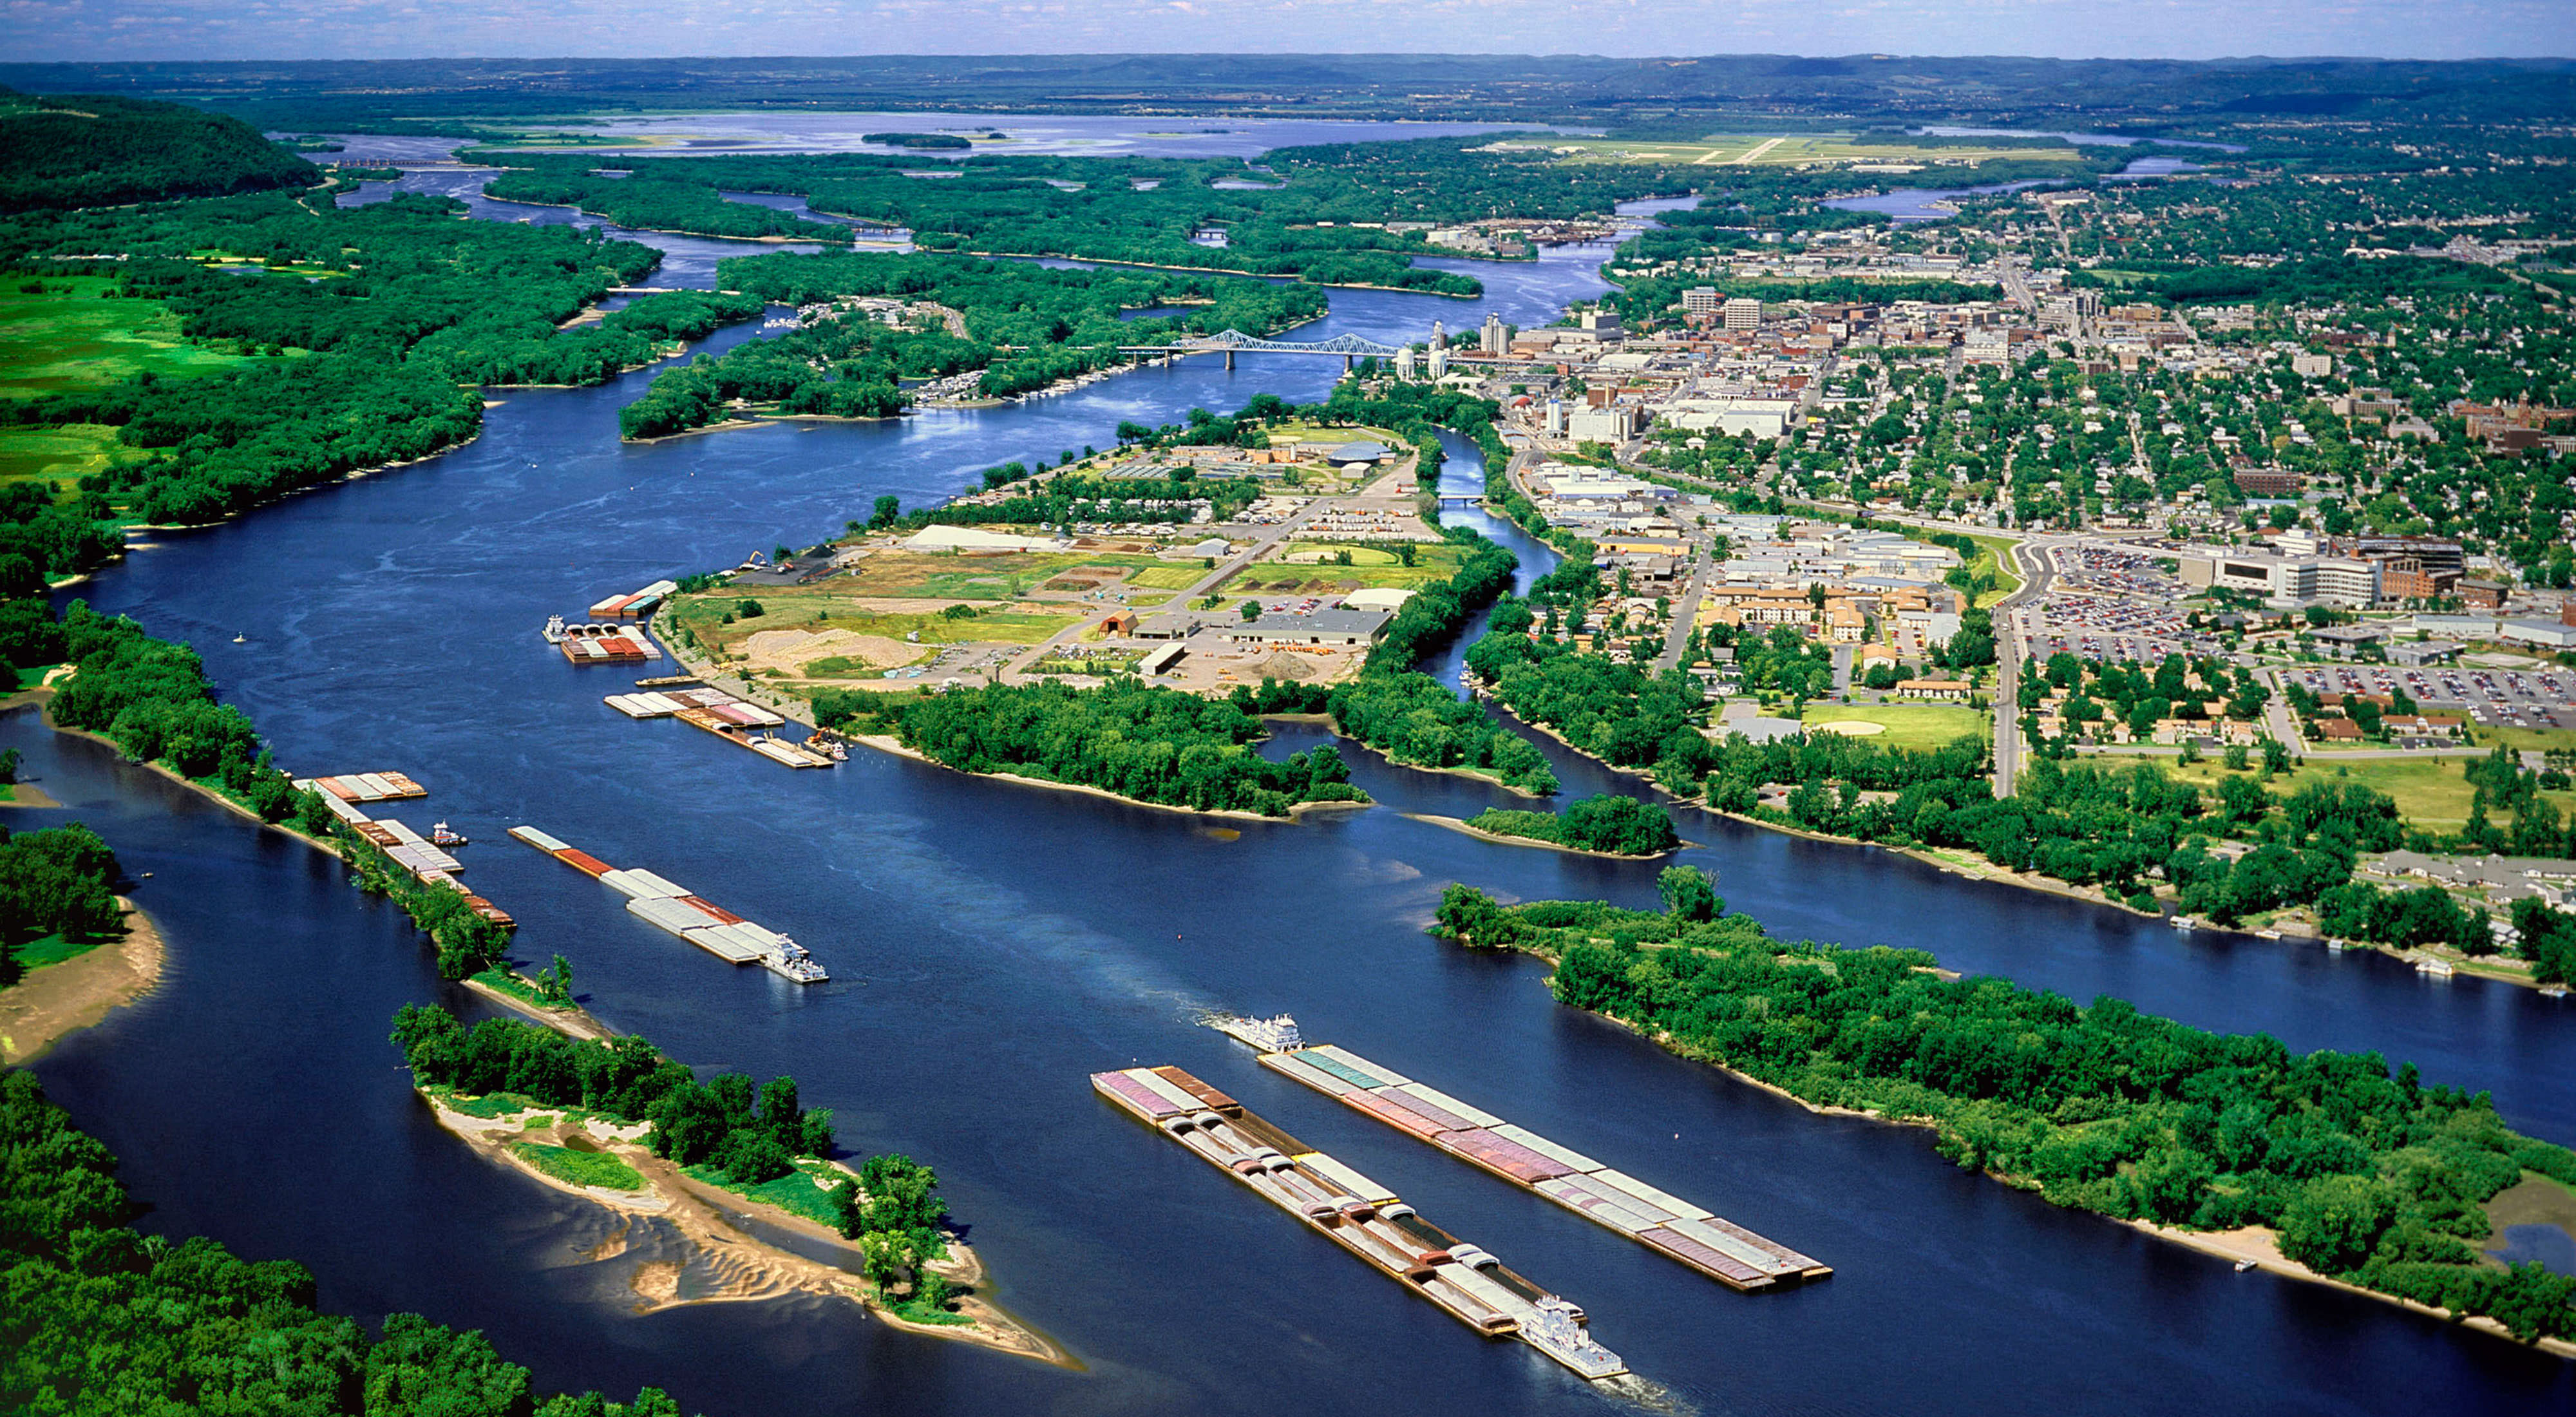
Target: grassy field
<point>1370,567</point>
<point>67,337</point>
<point>2532,739</point>
<point>1725,149</point>
<point>2431,793</point>
<point>1907,725</point>
<point>54,949</point>
<point>581,1168</point>
<point>794,1192</point>
<point>917,575</point>
<point>1994,559</point>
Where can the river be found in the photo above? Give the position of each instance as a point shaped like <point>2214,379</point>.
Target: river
<point>992,944</point>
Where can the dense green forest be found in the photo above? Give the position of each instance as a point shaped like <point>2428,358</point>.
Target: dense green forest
<point>2363,1173</point>
<point>1320,214</point>
<point>650,200</point>
<point>1024,326</point>
<point>93,151</point>
<point>1622,826</point>
<point>60,881</point>
<point>105,1321</point>
<point>729,1128</point>
<point>1155,745</point>
<point>363,324</point>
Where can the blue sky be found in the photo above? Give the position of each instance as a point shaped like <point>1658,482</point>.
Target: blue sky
<point>2181,29</point>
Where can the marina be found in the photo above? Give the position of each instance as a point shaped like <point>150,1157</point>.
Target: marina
<point>1718,1248</point>
<point>674,908</point>
<point>1358,1214</point>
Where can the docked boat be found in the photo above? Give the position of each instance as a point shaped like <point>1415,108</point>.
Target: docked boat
<point>2438,968</point>
<point>554,630</point>
<point>2554,991</point>
<point>440,834</point>
<point>2184,922</point>
<point>1262,1035</point>
<point>2244,1265</point>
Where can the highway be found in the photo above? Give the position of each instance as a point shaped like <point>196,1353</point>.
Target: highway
<point>2030,560</point>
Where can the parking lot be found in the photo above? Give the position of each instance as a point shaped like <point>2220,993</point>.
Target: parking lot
<point>2505,698</point>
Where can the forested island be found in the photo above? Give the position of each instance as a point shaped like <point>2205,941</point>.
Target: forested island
<point>1024,326</point>
<point>1606,824</point>
<point>348,338</point>
<point>1343,214</point>
<point>2356,1171</point>
<point>753,1140</point>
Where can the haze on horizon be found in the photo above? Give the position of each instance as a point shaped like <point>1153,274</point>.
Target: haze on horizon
<point>202,30</point>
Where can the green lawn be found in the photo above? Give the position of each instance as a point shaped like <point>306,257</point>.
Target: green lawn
<point>1908,725</point>
<point>2431,793</point>
<point>2519,739</point>
<point>68,337</point>
<point>794,1192</point>
<point>54,949</point>
<point>582,1168</point>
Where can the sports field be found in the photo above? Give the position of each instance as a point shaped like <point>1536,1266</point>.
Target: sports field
<point>1901,725</point>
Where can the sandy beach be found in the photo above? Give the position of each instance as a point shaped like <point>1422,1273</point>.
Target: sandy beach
<point>732,1265</point>
<point>58,999</point>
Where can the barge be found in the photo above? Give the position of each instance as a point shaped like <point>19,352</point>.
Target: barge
<point>1359,1215</point>
<point>674,908</point>
<point>424,858</point>
<point>635,602</point>
<point>602,644</point>
<point>363,787</point>
<point>737,721</point>
<point>1718,1248</point>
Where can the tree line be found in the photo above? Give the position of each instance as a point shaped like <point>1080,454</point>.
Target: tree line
<point>1025,327</point>
<point>2363,1173</point>
<point>105,1318</point>
<point>59,881</point>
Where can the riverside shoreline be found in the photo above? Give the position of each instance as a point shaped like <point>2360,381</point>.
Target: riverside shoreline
<point>2254,1243</point>
<point>1507,839</point>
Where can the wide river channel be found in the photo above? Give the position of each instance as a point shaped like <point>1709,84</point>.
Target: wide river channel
<point>992,944</point>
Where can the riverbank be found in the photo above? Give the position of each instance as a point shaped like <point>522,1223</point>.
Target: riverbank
<point>1506,839</point>
<point>42,699</point>
<point>886,743</point>
<point>2252,1243</point>
<point>54,1000</point>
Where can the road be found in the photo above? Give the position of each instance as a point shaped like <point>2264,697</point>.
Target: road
<point>2030,559</point>
<point>1686,610</point>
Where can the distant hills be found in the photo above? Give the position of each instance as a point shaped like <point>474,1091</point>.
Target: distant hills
<point>96,150</point>
<point>411,94</point>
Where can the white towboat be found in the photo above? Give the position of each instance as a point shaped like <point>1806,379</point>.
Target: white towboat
<point>1554,1326</point>
<point>554,630</point>
<point>1262,1035</point>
